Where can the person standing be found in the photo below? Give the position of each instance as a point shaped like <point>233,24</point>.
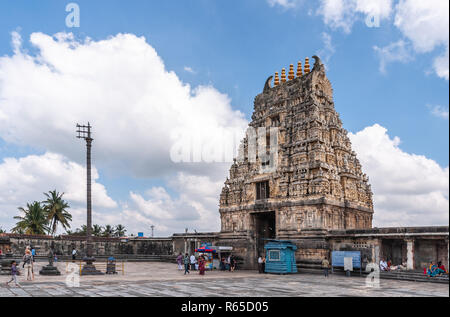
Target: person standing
<point>193,262</point>
<point>201,265</point>
<point>260,264</point>
<point>13,274</point>
<point>180,261</point>
<point>232,263</point>
<point>186,264</point>
<point>325,266</point>
<point>74,254</point>
<point>28,264</point>
<point>264,264</point>
<point>33,253</point>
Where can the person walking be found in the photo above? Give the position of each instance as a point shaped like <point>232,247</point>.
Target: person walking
<point>264,264</point>
<point>325,266</point>
<point>193,262</point>
<point>186,264</point>
<point>180,261</point>
<point>13,274</point>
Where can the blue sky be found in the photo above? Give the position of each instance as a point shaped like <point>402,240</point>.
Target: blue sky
<point>233,46</point>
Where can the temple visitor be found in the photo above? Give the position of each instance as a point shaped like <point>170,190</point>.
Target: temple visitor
<point>186,264</point>
<point>193,261</point>
<point>13,274</point>
<point>383,265</point>
<point>325,266</point>
<point>222,265</point>
<point>260,264</point>
<point>74,254</point>
<point>33,254</point>
<point>434,270</point>
<point>201,265</point>
<point>28,264</point>
<point>442,267</point>
<point>180,261</point>
<point>232,263</point>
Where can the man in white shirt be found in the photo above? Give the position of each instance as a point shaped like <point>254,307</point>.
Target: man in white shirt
<point>193,261</point>
<point>383,265</point>
<point>74,254</point>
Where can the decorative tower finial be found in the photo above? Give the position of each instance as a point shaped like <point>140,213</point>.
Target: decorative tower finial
<point>283,75</point>
<point>291,72</point>
<point>307,70</point>
<point>299,69</point>
<point>277,79</point>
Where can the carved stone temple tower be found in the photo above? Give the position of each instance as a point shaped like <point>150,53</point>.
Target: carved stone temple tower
<point>307,183</point>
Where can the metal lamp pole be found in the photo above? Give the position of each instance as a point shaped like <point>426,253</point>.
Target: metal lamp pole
<point>84,132</point>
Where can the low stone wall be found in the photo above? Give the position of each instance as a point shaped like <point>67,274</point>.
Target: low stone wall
<point>63,245</point>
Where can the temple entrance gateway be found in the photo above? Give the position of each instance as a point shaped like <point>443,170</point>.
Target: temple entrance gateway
<point>264,229</point>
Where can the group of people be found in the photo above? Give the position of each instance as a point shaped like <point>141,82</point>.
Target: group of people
<point>387,266</point>
<point>28,264</point>
<point>191,263</point>
<point>435,270</point>
<point>228,264</point>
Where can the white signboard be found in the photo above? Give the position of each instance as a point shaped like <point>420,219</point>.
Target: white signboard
<point>348,264</point>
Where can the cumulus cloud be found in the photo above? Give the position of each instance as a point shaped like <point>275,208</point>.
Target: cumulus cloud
<point>137,107</point>
<point>409,189</point>
<point>196,206</point>
<point>25,179</point>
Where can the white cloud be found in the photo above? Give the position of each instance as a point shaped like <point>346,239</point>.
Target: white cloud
<point>342,14</point>
<point>287,4</point>
<point>438,111</point>
<point>189,69</point>
<point>426,25</point>
<point>196,207</point>
<point>122,87</point>
<point>328,49</point>
<point>394,52</point>
<point>409,189</point>
<point>24,180</point>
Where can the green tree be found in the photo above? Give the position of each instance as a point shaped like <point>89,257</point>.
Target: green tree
<point>120,231</point>
<point>35,220</point>
<point>2,231</point>
<point>97,230</point>
<point>56,209</point>
<point>108,231</point>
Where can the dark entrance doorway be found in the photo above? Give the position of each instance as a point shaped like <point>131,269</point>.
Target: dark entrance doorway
<point>264,229</point>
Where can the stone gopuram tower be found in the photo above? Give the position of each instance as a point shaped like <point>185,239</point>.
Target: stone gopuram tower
<point>307,182</point>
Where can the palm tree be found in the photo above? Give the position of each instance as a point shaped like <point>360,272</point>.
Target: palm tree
<point>108,231</point>
<point>120,230</point>
<point>97,230</point>
<point>35,220</point>
<point>56,207</point>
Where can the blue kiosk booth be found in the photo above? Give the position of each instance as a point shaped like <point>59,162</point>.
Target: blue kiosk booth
<point>280,257</point>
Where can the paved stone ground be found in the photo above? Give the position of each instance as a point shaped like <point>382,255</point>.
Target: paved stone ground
<point>159,279</point>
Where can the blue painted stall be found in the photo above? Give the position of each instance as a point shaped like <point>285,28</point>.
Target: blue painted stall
<point>280,257</point>
<point>337,259</point>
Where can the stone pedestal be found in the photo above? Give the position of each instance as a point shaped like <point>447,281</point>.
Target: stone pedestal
<point>49,270</point>
<point>89,268</point>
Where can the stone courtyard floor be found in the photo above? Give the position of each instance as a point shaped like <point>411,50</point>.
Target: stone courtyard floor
<point>161,279</point>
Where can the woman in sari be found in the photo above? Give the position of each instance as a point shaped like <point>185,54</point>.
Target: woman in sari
<point>434,270</point>
<point>201,266</point>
